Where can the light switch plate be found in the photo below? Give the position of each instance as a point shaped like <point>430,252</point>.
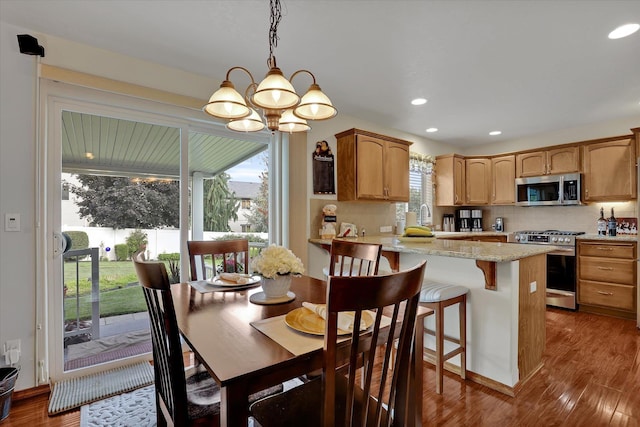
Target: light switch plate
<point>12,222</point>
<point>533,286</point>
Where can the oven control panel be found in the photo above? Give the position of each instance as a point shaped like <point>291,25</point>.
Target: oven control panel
<point>542,238</point>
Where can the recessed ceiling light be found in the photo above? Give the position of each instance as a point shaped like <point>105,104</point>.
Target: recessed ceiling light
<point>419,101</point>
<point>624,31</point>
<point>495,132</point>
<point>430,130</point>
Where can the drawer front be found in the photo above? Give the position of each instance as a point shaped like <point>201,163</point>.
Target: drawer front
<point>607,270</point>
<point>612,250</point>
<point>621,297</point>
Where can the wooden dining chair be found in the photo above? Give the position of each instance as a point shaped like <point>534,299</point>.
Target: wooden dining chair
<point>354,258</point>
<point>210,257</point>
<point>336,398</point>
<point>183,398</point>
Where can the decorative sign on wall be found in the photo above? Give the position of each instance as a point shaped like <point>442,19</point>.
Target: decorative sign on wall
<point>322,159</point>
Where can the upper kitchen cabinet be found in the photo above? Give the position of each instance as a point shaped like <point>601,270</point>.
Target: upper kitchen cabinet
<point>610,170</point>
<point>478,181</point>
<point>372,167</point>
<point>450,180</point>
<point>503,171</point>
<point>548,162</point>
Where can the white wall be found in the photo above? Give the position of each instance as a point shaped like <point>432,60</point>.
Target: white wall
<point>17,195</point>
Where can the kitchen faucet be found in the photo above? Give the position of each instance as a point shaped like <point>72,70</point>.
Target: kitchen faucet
<point>422,221</point>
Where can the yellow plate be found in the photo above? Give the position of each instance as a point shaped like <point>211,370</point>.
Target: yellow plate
<point>425,239</point>
<point>304,320</point>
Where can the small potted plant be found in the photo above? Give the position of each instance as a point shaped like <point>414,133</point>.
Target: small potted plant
<point>276,265</point>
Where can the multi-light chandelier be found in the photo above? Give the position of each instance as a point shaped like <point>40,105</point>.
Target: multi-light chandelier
<point>282,108</point>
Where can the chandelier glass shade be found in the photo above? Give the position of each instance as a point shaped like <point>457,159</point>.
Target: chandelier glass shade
<point>281,106</point>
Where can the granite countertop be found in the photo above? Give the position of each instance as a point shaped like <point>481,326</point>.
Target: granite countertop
<point>482,251</point>
<point>618,238</point>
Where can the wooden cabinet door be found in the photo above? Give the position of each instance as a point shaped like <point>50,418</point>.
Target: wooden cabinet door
<point>370,167</point>
<point>478,182</point>
<point>610,170</point>
<point>450,180</point>
<point>563,160</point>
<point>503,174</point>
<point>531,164</point>
<point>396,172</point>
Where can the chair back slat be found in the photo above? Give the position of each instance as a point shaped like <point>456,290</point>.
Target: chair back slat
<point>217,256</point>
<point>354,258</point>
<point>170,383</point>
<point>398,295</point>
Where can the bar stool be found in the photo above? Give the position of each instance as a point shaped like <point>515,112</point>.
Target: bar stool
<point>437,296</point>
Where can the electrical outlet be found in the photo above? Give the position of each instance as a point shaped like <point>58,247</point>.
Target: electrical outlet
<point>386,229</point>
<point>533,286</point>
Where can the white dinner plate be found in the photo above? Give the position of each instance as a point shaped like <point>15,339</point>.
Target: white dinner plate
<point>221,282</point>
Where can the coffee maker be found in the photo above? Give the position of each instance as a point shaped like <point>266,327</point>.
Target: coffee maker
<point>464,220</point>
<point>476,220</point>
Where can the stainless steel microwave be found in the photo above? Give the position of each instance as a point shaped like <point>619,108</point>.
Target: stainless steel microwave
<point>548,190</point>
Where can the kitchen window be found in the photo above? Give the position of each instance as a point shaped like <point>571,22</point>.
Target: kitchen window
<point>420,189</point>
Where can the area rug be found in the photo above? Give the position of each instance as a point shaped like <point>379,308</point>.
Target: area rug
<point>70,394</point>
<point>136,408</point>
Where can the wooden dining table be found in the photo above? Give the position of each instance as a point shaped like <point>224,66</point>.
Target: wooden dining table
<point>243,360</point>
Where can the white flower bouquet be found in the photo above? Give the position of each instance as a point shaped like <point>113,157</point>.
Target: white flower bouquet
<point>276,261</point>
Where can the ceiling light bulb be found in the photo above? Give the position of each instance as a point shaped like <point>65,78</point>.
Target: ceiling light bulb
<point>227,103</point>
<point>289,122</point>
<point>430,130</point>
<point>495,132</point>
<point>315,105</point>
<point>624,31</point>
<point>253,123</point>
<point>419,101</point>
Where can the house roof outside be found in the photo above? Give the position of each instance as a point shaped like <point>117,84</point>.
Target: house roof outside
<point>244,190</point>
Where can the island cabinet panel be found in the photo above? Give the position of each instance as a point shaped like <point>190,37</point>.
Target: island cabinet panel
<point>478,181</point>
<point>610,170</point>
<point>503,172</point>
<point>607,277</point>
<point>531,325</point>
<point>450,174</point>
<point>372,167</point>
<point>548,162</point>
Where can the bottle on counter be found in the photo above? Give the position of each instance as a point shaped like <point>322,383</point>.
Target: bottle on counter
<point>613,224</point>
<point>602,224</point>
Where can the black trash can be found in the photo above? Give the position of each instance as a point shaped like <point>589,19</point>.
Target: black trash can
<point>8,377</point>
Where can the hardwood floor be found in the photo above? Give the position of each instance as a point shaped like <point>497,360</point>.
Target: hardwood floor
<point>591,377</point>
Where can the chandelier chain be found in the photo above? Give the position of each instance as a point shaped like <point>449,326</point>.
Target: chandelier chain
<point>276,16</point>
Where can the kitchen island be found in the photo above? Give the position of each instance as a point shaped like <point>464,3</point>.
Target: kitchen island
<point>505,305</point>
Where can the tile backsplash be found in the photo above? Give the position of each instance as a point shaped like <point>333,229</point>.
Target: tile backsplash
<point>569,218</point>
<point>368,215</point>
<point>373,215</point>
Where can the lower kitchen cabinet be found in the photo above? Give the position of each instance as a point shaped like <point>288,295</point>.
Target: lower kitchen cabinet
<point>607,277</point>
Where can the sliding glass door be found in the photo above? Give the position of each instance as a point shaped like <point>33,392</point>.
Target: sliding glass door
<point>120,180</point>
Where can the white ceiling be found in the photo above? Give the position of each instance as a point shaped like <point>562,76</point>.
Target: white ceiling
<point>522,67</point>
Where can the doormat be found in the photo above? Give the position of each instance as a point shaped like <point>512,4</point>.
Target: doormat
<point>136,408</point>
<point>70,394</point>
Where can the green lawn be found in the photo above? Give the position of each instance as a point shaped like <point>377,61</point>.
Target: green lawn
<point>120,292</point>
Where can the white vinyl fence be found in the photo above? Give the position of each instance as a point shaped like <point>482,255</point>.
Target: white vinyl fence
<point>160,241</point>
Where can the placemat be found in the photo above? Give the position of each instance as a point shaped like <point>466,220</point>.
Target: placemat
<point>295,342</point>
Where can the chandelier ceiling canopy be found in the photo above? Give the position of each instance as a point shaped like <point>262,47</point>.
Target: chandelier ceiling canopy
<point>281,106</point>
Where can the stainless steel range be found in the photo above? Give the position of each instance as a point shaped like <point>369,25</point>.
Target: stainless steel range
<point>561,263</point>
